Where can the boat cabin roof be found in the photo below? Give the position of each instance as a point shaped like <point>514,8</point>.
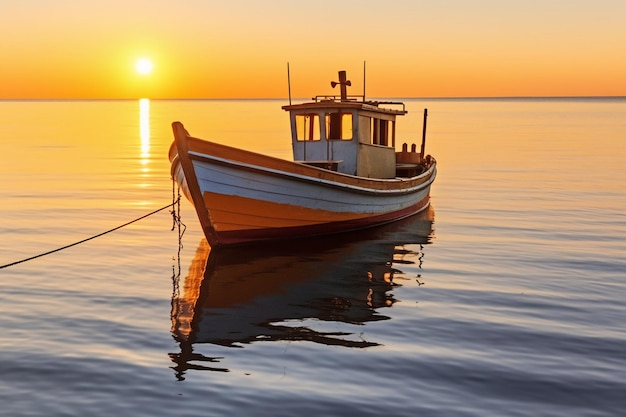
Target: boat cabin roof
<point>346,102</point>
<point>334,102</point>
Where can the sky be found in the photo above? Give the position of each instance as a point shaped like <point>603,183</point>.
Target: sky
<point>67,49</point>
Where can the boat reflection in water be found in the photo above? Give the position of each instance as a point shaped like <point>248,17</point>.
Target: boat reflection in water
<point>236,296</point>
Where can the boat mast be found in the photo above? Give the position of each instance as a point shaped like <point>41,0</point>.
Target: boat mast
<point>363,81</point>
<point>343,83</point>
<point>289,83</point>
<point>424,134</point>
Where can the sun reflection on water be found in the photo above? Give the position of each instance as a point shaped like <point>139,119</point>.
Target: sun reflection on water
<point>144,136</point>
<point>144,129</point>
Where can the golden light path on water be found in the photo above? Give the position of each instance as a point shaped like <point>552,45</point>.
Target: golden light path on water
<point>144,129</point>
<point>144,136</point>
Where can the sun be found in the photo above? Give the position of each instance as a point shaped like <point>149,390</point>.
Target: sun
<point>143,66</point>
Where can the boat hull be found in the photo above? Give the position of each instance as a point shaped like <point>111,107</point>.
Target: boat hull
<point>241,196</point>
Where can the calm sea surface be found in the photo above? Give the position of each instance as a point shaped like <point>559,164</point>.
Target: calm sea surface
<point>507,298</point>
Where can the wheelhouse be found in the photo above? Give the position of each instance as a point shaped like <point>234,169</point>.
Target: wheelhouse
<point>346,133</point>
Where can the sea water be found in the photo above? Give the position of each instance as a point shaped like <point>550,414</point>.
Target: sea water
<point>505,298</point>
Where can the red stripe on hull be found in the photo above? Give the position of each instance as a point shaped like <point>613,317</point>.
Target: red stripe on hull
<point>234,237</point>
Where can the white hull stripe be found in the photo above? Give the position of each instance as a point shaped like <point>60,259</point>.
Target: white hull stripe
<point>416,188</point>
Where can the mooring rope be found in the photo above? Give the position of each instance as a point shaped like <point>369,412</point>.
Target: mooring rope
<point>175,204</point>
<point>175,305</point>
<point>177,223</point>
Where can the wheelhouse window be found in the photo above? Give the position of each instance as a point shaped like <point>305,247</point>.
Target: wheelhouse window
<point>382,132</point>
<point>307,127</point>
<point>339,126</point>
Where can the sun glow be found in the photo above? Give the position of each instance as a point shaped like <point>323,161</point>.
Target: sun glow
<point>143,66</point>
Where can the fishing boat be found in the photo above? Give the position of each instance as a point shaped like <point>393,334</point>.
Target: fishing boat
<point>345,174</point>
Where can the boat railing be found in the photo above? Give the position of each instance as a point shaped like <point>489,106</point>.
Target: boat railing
<point>390,103</point>
<point>322,98</point>
<point>357,98</point>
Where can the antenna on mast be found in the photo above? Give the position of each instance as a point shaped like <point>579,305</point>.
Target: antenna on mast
<point>363,80</point>
<point>289,83</point>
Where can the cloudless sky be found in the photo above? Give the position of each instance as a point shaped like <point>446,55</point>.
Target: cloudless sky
<point>240,48</point>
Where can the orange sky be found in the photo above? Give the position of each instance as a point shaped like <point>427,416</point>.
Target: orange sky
<point>237,48</point>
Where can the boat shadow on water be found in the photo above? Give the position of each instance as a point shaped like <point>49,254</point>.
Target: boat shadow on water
<point>238,295</point>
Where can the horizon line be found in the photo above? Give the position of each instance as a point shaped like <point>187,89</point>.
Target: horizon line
<point>308,98</point>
